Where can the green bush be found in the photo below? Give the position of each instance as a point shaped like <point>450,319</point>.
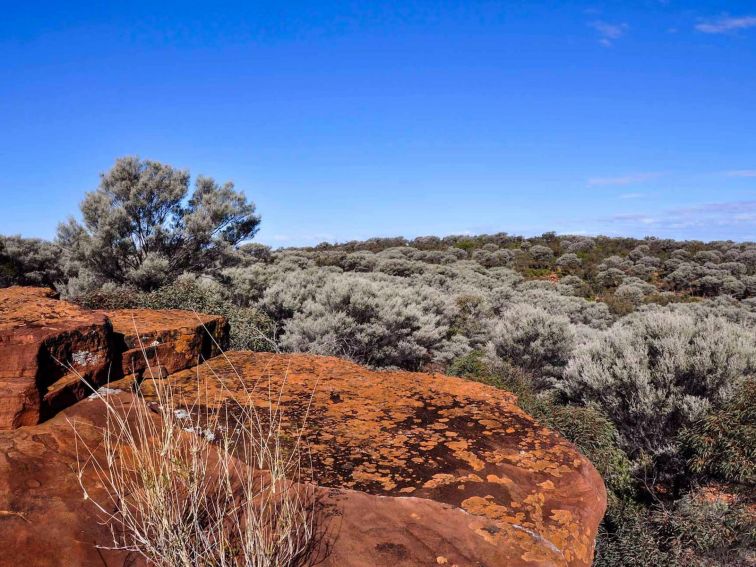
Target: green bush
<point>596,437</point>
<point>473,367</point>
<point>467,245</point>
<point>627,538</point>
<point>709,527</point>
<point>723,444</point>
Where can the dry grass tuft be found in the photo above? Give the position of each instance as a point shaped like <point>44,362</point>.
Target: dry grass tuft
<point>189,486</point>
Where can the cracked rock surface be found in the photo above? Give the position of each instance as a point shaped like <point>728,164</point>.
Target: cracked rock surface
<point>520,492</point>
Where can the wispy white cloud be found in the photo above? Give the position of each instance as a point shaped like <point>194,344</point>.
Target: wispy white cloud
<point>608,33</point>
<point>632,195</point>
<point>726,215</point>
<point>725,25</point>
<point>741,173</point>
<point>634,218</point>
<point>622,179</point>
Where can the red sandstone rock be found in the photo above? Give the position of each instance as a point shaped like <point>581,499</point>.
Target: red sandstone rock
<point>158,343</point>
<point>44,519</point>
<point>46,522</point>
<point>489,485</point>
<point>47,346</point>
<point>44,343</point>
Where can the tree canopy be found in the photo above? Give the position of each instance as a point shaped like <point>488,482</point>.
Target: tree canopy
<point>141,227</point>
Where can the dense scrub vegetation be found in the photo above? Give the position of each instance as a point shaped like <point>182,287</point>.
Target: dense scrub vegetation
<point>641,352</point>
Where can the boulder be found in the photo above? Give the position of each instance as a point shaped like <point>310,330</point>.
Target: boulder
<point>157,343</point>
<point>52,352</point>
<point>462,466</point>
<point>455,517</point>
<point>46,347</point>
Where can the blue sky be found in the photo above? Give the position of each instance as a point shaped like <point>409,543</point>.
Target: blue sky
<point>346,120</point>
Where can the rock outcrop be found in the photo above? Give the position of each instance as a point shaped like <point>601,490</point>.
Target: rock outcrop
<point>45,345</point>
<point>159,343</point>
<point>50,350</point>
<point>519,491</point>
<point>416,469</point>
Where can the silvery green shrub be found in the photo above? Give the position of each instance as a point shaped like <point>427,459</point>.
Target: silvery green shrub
<point>29,261</point>
<point>577,310</point>
<point>363,261</point>
<point>583,244</point>
<point>530,338</point>
<point>656,372</point>
<point>142,228</point>
<point>569,262</point>
<point>707,256</point>
<point>401,267</point>
<point>610,277</point>
<point>373,322</point>
<point>541,256</point>
<point>573,285</point>
<point>495,258</point>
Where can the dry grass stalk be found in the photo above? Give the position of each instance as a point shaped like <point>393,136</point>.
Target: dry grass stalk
<point>186,486</point>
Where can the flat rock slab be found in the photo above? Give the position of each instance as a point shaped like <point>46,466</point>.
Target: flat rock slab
<point>44,519</point>
<point>512,492</point>
<point>45,346</point>
<point>157,343</point>
<point>46,522</point>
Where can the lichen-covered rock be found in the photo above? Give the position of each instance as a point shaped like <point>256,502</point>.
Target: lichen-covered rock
<point>515,492</point>
<point>157,343</point>
<point>46,522</point>
<point>44,519</point>
<point>46,346</point>
<point>50,350</point>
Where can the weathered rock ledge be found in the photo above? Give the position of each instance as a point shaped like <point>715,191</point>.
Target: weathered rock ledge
<point>49,348</point>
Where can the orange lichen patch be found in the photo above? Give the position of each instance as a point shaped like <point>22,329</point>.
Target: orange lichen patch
<point>471,459</point>
<point>445,439</point>
<point>439,480</point>
<point>487,506</point>
<point>499,479</point>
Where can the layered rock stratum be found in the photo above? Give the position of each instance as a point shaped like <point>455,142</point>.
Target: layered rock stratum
<point>44,344</point>
<point>53,353</point>
<point>415,469</point>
